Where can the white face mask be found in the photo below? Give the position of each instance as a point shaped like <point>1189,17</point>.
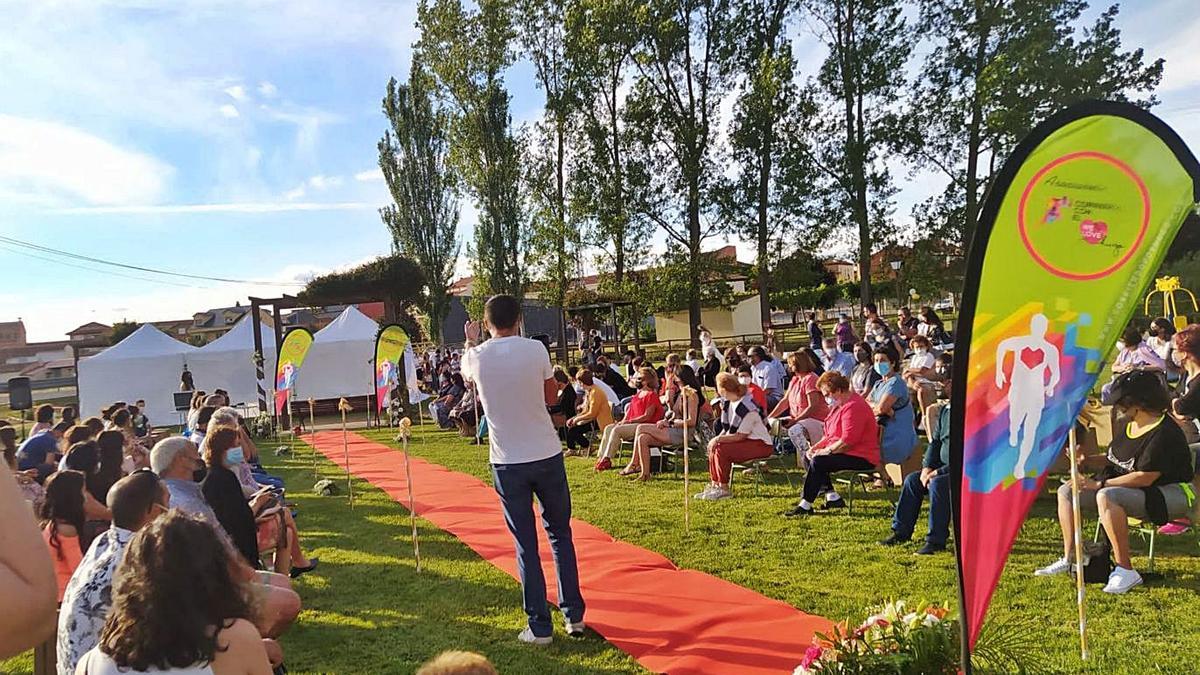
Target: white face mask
<point>744,380</point>
<point>1120,345</point>
<point>919,352</point>
<point>831,401</point>
<point>830,352</point>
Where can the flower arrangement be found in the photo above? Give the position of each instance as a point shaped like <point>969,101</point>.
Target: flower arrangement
<point>896,638</point>
<point>262,426</point>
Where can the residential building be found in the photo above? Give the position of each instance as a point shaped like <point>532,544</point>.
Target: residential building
<point>12,333</point>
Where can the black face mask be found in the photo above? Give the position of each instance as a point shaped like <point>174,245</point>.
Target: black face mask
<point>1123,415</point>
<point>200,472</point>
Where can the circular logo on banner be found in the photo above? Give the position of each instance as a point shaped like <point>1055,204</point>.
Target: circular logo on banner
<point>1084,215</point>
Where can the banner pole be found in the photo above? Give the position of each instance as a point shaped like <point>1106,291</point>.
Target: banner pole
<point>312,426</point>
<point>412,501</point>
<point>346,453</point>
<point>687,510</point>
<point>1079,586</point>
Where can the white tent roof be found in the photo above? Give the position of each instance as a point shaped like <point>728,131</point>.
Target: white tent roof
<point>145,365</point>
<point>339,362</point>
<point>228,361</point>
<point>350,326</point>
<point>241,338</point>
<point>146,341</point>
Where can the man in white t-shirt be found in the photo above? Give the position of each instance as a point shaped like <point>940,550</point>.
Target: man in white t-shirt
<point>516,382</point>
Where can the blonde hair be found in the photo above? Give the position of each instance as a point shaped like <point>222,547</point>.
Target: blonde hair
<point>458,663</point>
<point>729,382</point>
<point>649,377</point>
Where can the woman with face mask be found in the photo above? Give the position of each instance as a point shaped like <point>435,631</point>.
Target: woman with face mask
<point>864,376</point>
<point>745,378</point>
<point>223,492</point>
<point>851,443</point>
<point>893,409</point>
<point>1132,354</point>
<point>920,373</point>
<point>742,436</point>
<point>1147,474</point>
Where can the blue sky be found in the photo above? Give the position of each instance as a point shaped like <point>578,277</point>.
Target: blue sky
<point>237,139</point>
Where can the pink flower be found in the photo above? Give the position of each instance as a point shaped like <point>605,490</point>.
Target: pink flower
<point>811,656</point>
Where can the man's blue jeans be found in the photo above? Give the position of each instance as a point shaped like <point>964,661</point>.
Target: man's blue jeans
<point>517,484</point>
<point>908,509</point>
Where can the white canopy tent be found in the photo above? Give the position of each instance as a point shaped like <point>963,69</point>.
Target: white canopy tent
<point>145,365</point>
<point>339,361</point>
<point>228,362</point>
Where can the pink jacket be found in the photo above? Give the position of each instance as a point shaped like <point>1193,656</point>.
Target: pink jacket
<point>854,423</point>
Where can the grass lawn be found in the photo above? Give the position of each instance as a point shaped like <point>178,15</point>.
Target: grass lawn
<point>368,610</point>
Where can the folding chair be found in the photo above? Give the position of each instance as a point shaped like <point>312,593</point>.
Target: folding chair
<point>1145,529</point>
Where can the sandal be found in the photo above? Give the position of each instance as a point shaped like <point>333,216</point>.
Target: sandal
<point>627,471</point>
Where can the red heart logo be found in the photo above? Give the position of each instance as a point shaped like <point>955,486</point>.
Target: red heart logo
<point>1093,231</point>
<point>1032,357</point>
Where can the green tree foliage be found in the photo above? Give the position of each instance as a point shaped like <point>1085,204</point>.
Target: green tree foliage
<point>121,330</point>
<point>800,282</point>
<point>423,218</point>
<point>601,36</point>
<point>856,125</point>
<point>683,70</point>
<point>468,51</point>
<point>997,69</point>
<point>764,201</point>
<point>396,280</point>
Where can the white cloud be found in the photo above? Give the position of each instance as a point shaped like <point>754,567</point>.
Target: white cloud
<point>237,92</point>
<point>40,158</point>
<point>228,111</point>
<point>267,90</point>
<point>369,176</point>
<point>231,207</point>
<point>294,194</point>
<point>320,182</point>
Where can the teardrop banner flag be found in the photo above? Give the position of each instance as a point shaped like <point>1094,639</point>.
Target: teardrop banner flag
<point>291,357</point>
<point>389,352</point>
<point>1072,231</point>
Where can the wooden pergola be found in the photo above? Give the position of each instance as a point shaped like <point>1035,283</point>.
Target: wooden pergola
<point>611,306</point>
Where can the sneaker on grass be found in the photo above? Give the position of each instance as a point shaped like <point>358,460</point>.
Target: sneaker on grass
<point>1060,566</point>
<point>1122,581</point>
<point>714,493</point>
<point>528,637</point>
<point>575,629</point>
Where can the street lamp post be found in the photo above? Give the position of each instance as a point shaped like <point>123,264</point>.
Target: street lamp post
<point>896,265</point>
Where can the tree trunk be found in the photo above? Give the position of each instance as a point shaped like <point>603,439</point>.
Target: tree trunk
<point>694,309</point>
<point>561,238</point>
<point>764,197</point>
<point>974,139</point>
<point>855,152</point>
<point>618,189</point>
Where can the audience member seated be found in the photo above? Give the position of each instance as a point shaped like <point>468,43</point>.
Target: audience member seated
<point>201,427</point>
<point>62,522</point>
<point>932,480</point>
<point>111,446</point>
<point>40,453</point>
<point>43,419</point>
<point>833,358</point>
<point>223,492</point>
<point>94,425</point>
<point>176,608</point>
<point>920,372</point>
<point>844,333</point>
<point>802,411</point>
<point>930,326</point>
<point>122,421</point>
<point>141,424</point>
<point>644,408</point>
<point>85,458</point>
<point>906,323</point>
<point>742,436</point>
<point>851,443</point>
<point>74,435</point>
<point>1161,340</point>
<point>194,410</point>
<point>893,410</point>
<point>669,428</point>
<point>768,373</point>
<point>595,415</point>
<point>613,379</point>
<point>1147,475</point>
<point>756,392</point>
<point>463,415</point>
<point>566,405</point>
<point>879,335</point>
<point>446,401</point>
<point>864,377</point>
<point>177,461</point>
<point>135,500</point>
<point>1132,354</point>
<point>692,360</point>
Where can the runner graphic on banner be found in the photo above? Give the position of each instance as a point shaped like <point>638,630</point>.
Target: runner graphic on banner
<point>389,354</point>
<point>1073,229</point>
<point>291,357</point>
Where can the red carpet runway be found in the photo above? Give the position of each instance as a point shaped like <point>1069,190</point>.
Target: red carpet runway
<point>671,620</point>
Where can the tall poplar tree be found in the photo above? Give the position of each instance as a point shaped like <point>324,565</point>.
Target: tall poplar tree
<point>423,218</point>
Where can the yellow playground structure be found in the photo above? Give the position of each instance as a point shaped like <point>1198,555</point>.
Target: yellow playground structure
<point>1169,286</point>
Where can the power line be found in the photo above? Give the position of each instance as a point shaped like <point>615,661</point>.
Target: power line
<point>138,268</point>
<point>56,261</point>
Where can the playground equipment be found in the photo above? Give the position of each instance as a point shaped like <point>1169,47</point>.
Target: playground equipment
<point>1169,286</point>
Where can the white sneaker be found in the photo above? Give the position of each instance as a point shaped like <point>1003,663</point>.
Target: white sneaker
<point>1060,566</point>
<point>714,493</point>
<point>1122,581</point>
<point>528,637</point>
<point>575,629</point>
<point>706,492</point>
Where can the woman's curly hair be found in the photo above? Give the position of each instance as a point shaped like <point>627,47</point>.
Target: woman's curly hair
<point>172,595</point>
